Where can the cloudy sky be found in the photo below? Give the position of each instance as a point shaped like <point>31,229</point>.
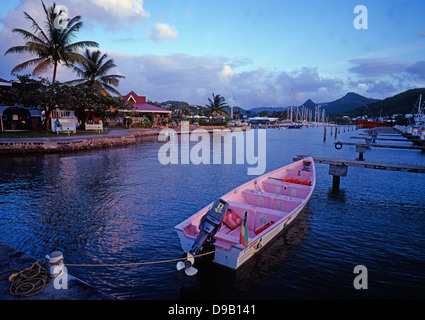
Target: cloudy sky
<point>259,50</point>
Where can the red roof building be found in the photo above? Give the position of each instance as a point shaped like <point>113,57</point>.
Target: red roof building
<point>142,110</point>
<point>132,97</point>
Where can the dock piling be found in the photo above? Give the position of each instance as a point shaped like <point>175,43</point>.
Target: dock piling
<point>339,167</point>
<point>337,171</point>
<point>361,150</point>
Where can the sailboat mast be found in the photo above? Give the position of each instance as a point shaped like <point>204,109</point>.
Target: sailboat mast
<point>231,104</point>
<point>292,93</point>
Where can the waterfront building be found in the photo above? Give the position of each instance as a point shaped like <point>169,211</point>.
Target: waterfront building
<point>141,111</point>
<point>17,118</point>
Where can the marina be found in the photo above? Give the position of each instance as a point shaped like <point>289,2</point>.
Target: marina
<point>146,155</point>
<point>120,205</point>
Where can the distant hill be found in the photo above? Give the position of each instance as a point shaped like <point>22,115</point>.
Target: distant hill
<point>236,109</point>
<point>268,109</point>
<point>349,102</point>
<point>401,103</point>
<point>352,104</point>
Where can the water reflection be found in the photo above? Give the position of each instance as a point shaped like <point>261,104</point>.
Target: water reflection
<point>337,195</point>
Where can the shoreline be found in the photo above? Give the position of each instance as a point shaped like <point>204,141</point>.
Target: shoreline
<point>114,138</point>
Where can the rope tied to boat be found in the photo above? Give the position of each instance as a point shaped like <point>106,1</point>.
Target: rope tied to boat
<point>144,263</point>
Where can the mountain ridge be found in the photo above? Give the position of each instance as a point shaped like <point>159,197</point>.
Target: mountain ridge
<point>348,102</point>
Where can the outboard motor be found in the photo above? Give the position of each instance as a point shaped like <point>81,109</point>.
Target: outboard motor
<point>208,227</point>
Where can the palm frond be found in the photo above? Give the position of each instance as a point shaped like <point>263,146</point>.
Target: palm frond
<point>17,49</point>
<point>26,64</point>
<point>112,79</point>
<point>75,82</point>
<point>38,48</point>
<point>28,35</point>
<point>71,58</point>
<point>41,67</point>
<point>111,89</point>
<point>79,72</point>
<point>81,45</point>
<point>36,27</point>
<point>73,26</point>
<point>108,65</point>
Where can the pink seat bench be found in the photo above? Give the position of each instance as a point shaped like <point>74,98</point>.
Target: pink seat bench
<point>286,188</point>
<point>271,200</point>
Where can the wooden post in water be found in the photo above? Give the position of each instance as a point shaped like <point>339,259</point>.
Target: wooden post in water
<point>324,133</point>
<point>361,150</point>
<point>337,171</point>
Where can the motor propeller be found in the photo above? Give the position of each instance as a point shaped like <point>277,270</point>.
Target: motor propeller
<point>210,223</point>
<point>187,265</point>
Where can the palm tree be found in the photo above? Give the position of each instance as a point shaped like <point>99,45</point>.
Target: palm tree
<point>53,45</point>
<point>216,105</point>
<point>93,72</point>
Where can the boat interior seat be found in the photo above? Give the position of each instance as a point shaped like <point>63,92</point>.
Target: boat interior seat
<point>271,200</point>
<point>286,188</point>
<point>299,174</point>
<point>239,208</point>
<point>256,217</point>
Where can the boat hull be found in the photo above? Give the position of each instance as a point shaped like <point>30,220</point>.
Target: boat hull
<point>367,124</point>
<point>268,200</point>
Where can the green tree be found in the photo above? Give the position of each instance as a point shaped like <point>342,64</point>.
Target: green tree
<point>216,106</point>
<point>42,94</point>
<point>52,45</point>
<point>93,73</point>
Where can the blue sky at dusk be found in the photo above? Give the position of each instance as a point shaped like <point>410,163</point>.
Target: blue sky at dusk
<point>259,50</point>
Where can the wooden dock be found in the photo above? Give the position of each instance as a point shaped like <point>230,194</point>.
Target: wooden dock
<point>361,148</point>
<point>369,145</point>
<point>338,167</point>
<point>383,139</point>
<point>373,135</point>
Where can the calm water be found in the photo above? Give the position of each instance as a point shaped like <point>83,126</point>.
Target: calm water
<point>120,205</point>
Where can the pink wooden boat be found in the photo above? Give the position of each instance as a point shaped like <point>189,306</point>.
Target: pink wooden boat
<point>261,208</point>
